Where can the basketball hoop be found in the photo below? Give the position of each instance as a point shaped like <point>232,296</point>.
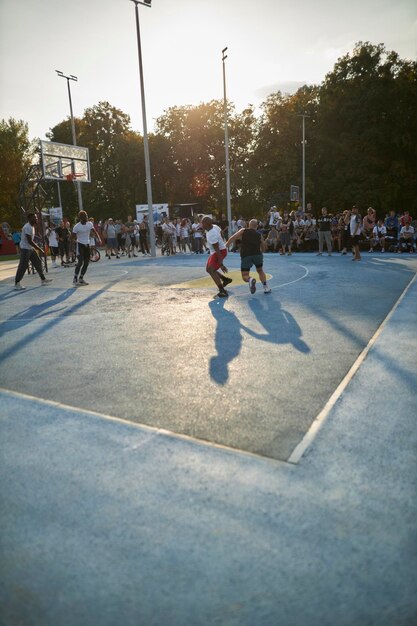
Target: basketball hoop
<point>72,177</point>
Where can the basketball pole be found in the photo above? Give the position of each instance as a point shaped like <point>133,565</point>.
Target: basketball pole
<point>303,173</point>
<point>226,147</point>
<point>145,132</point>
<point>74,138</point>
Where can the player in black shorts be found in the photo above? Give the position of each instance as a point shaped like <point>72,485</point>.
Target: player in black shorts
<point>251,253</point>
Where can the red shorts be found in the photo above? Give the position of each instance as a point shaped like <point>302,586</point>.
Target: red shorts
<point>213,262</point>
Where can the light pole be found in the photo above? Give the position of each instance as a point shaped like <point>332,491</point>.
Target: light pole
<point>146,3</point>
<point>304,115</point>
<point>226,146</point>
<point>74,139</point>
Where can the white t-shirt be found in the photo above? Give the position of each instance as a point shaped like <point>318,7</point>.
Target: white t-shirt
<point>409,230</point>
<point>380,231</point>
<point>214,235</point>
<point>53,239</point>
<point>197,230</point>
<point>83,232</point>
<point>354,220</point>
<point>27,230</point>
<point>274,218</point>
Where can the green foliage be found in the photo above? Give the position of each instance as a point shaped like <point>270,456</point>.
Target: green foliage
<point>16,154</point>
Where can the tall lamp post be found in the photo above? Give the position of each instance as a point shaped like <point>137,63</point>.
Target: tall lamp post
<point>146,3</point>
<point>74,139</point>
<point>304,115</point>
<point>226,146</point>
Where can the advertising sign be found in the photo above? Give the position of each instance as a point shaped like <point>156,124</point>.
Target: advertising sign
<point>55,214</point>
<point>159,212</point>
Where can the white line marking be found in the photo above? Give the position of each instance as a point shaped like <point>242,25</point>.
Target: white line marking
<point>315,427</point>
<point>297,279</point>
<point>153,430</point>
<point>240,295</point>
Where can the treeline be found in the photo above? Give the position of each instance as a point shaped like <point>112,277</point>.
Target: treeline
<point>361,148</point>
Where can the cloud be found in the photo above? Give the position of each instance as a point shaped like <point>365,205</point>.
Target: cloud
<point>286,87</point>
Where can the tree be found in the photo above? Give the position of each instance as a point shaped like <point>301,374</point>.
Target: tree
<point>366,130</point>
<point>115,151</point>
<point>16,155</point>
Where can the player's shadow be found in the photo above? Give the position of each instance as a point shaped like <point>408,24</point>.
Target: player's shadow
<point>228,340</point>
<point>280,326</point>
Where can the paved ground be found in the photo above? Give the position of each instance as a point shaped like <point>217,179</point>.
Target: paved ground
<point>145,341</point>
<point>109,522</point>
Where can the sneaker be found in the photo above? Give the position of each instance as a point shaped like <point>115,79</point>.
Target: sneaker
<point>318,254</point>
<point>82,282</point>
<point>267,289</point>
<point>46,281</point>
<point>383,250</point>
<point>329,254</point>
<point>117,256</point>
<point>221,294</point>
<point>252,285</point>
<point>75,281</point>
<point>370,249</point>
<point>19,287</point>
<point>226,281</point>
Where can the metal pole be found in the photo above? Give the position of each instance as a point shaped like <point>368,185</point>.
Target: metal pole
<point>74,142</point>
<point>59,194</point>
<point>74,138</point>
<point>304,115</point>
<point>304,166</point>
<point>145,136</point>
<point>226,147</point>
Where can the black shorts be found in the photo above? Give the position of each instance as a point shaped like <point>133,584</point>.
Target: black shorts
<point>355,240</point>
<point>246,262</point>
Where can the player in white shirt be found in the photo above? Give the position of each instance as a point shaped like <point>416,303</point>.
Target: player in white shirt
<point>82,233</point>
<point>29,251</point>
<point>218,253</point>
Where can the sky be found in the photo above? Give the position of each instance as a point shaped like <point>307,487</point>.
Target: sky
<point>272,45</point>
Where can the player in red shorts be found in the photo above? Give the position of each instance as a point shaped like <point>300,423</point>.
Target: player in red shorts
<point>218,252</point>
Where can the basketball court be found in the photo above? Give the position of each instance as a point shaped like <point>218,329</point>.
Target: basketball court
<point>146,342</point>
<point>169,458</point>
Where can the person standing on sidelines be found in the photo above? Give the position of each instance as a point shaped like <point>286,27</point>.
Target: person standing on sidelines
<point>53,243</point>
<point>251,253</point>
<point>355,232</point>
<point>82,233</point>
<point>324,223</point>
<point>218,252</point>
<point>29,251</point>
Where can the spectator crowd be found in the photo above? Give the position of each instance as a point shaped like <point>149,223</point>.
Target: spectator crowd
<point>284,231</point>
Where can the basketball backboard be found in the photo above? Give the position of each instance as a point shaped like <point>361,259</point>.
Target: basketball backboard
<point>61,161</point>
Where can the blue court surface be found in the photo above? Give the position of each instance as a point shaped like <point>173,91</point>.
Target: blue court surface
<point>171,458</point>
<point>145,341</point>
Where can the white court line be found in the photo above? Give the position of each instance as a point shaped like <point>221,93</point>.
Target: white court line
<point>240,295</point>
<point>315,427</point>
<point>152,430</point>
<point>297,279</point>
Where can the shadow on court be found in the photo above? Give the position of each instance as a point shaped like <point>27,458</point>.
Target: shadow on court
<point>280,327</point>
